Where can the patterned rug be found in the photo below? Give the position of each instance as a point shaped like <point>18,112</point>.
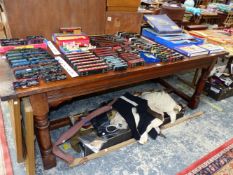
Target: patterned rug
<point>217,162</point>
<point>5,160</point>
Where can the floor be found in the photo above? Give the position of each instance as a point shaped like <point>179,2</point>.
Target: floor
<point>183,144</point>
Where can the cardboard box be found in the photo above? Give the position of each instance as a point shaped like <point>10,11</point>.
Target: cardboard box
<point>121,137</point>
<point>218,93</point>
<point>60,39</point>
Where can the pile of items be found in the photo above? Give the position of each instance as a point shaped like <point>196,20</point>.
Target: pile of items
<point>17,41</point>
<point>129,116</point>
<point>86,63</point>
<point>69,42</point>
<point>31,65</point>
<point>99,54</point>
<point>114,52</point>
<point>29,41</point>
<point>164,31</point>
<point>220,86</point>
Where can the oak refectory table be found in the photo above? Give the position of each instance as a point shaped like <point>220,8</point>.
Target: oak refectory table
<point>48,95</point>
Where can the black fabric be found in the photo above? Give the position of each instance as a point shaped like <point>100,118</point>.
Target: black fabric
<point>153,134</point>
<point>145,118</point>
<point>167,118</point>
<point>100,123</point>
<point>125,109</point>
<point>155,114</point>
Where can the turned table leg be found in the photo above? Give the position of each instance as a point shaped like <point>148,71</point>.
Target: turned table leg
<point>40,108</point>
<point>193,104</point>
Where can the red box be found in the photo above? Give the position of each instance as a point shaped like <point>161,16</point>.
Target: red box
<point>81,40</point>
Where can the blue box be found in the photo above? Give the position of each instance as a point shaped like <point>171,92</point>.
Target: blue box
<point>171,41</point>
<point>162,24</point>
<point>149,57</point>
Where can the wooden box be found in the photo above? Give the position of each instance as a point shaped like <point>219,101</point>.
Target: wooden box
<point>122,9</point>
<point>123,3</point>
<point>123,21</point>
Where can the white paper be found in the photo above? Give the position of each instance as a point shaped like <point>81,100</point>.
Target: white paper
<point>53,48</point>
<point>67,67</point>
<point>214,90</point>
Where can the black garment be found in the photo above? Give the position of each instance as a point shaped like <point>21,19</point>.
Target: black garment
<point>100,123</point>
<point>125,107</point>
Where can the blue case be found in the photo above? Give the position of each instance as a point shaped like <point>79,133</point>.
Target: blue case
<point>162,24</point>
<point>151,35</point>
<point>149,58</point>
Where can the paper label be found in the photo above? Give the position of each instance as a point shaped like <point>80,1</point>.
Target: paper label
<point>2,57</point>
<point>62,38</point>
<point>109,18</point>
<point>67,67</point>
<point>174,27</point>
<point>53,48</point>
<point>24,47</point>
<point>215,90</point>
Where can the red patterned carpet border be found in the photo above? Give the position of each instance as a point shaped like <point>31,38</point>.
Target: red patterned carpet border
<point>5,165</point>
<point>217,162</point>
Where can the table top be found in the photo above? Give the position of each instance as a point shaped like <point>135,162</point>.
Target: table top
<point>114,78</point>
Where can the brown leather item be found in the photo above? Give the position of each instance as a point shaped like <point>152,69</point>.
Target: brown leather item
<point>197,27</point>
<point>74,129</point>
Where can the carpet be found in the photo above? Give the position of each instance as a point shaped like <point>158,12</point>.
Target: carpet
<point>217,162</point>
<point>5,160</point>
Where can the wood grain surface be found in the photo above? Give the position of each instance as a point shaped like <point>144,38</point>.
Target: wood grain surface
<point>123,21</point>
<point>44,17</point>
<point>29,137</point>
<point>94,83</point>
